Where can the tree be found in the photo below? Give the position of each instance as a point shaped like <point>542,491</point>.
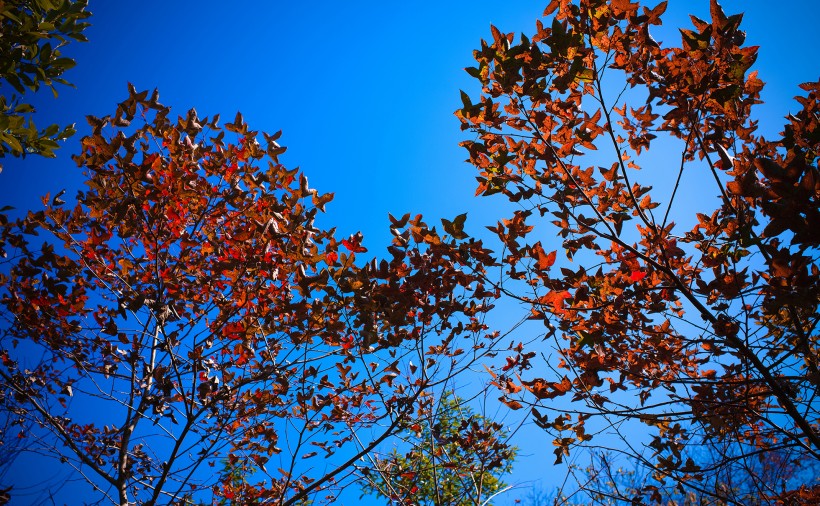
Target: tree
<point>456,457</point>
<point>698,324</point>
<point>34,33</point>
<point>188,312</point>
<point>610,481</point>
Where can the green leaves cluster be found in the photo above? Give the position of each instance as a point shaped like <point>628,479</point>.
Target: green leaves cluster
<point>458,457</point>
<point>33,34</point>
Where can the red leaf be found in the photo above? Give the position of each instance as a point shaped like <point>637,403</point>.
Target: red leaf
<point>511,362</point>
<point>637,276</point>
<point>355,247</point>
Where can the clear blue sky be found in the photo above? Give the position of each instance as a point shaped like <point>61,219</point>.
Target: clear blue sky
<point>364,92</point>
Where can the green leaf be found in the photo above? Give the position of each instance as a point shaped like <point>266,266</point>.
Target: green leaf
<point>12,142</point>
<point>65,63</point>
<point>67,132</point>
<point>51,130</point>
<point>46,5</point>
<point>46,145</point>
<point>14,81</point>
<point>45,52</point>
<point>11,16</point>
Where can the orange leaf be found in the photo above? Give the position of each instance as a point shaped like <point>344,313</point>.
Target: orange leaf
<point>545,260</point>
<point>539,388</point>
<point>512,387</point>
<point>556,300</point>
<point>564,386</point>
<point>512,404</point>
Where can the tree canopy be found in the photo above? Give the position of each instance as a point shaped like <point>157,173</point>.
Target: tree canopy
<point>187,310</point>
<point>703,332</point>
<point>34,32</point>
<point>187,330</point>
<point>455,457</point>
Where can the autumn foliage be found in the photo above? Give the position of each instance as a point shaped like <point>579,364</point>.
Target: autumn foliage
<point>188,329</point>
<point>693,315</point>
<point>187,318</point>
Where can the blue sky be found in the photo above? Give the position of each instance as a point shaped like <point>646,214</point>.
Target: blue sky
<point>364,92</point>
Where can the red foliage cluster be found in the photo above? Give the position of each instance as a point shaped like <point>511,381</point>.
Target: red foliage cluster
<point>708,336</point>
<point>190,295</point>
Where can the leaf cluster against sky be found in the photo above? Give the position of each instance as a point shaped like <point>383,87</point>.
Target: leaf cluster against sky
<point>364,93</point>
